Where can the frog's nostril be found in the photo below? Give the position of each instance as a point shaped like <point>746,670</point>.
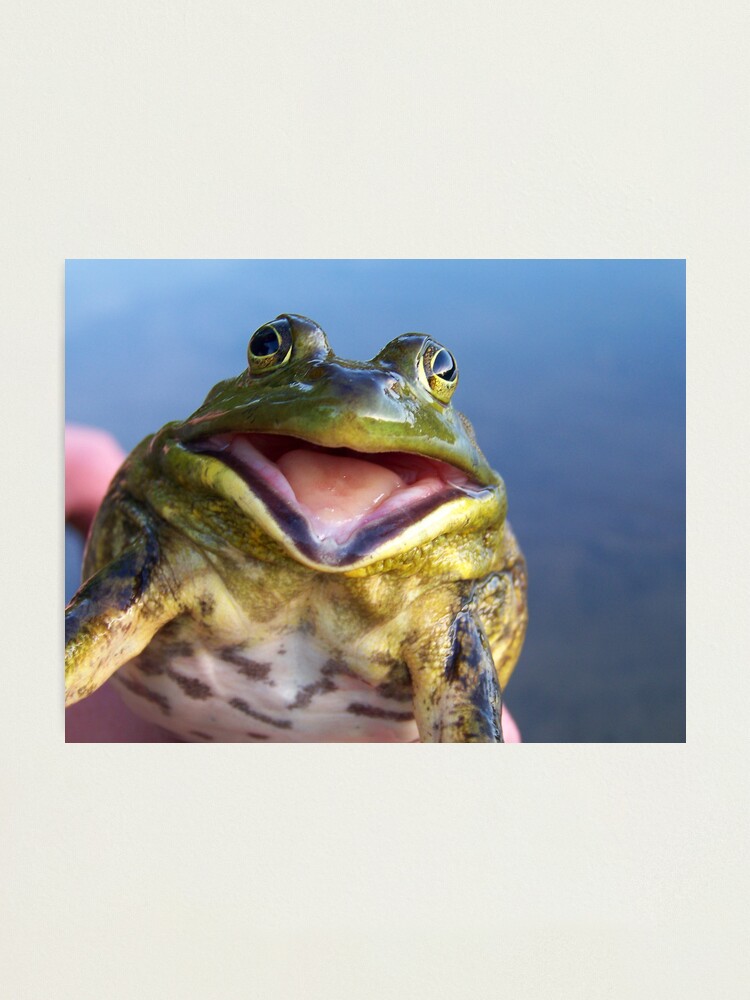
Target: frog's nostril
<point>384,385</point>
<point>384,381</point>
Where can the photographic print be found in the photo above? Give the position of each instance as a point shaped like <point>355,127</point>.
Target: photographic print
<point>316,467</point>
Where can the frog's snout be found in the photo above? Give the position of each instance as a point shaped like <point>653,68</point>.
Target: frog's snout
<point>378,393</point>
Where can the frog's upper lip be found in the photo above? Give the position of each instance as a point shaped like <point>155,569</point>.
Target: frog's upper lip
<point>398,490</point>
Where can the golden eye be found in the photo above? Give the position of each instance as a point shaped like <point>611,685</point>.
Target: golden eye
<point>270,346</point>
<point>439,371</point>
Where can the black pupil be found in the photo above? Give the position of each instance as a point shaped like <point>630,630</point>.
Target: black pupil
<point>265,342</point>
<point>443,365</point>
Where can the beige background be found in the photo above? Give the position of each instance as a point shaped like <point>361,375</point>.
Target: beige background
<point>423,128</point>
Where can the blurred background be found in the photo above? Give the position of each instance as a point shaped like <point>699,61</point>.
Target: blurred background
<point>573,374</point>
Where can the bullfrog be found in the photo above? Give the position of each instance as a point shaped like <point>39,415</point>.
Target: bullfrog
<point>319,553</point>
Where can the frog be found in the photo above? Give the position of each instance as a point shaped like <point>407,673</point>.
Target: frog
<point>319,553</point>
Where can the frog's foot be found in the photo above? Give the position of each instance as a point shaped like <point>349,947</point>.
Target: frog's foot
<point>102,626</point>
<point>115,614</point>
<point>459,701</point>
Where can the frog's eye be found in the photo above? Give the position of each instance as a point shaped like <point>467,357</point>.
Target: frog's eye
<point>270,346</point>
<point>438,370</point>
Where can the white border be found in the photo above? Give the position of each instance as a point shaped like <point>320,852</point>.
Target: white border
<point>417,129</point>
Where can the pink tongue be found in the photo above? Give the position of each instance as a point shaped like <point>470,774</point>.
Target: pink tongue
<point>335,488</point>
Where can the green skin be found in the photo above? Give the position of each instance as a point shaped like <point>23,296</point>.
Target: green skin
<point>183,546</point>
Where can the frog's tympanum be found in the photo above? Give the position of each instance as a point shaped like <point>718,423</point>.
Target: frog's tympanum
<point>319,553</point>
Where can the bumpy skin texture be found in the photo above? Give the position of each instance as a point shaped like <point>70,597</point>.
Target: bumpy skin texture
<point>224,620</point>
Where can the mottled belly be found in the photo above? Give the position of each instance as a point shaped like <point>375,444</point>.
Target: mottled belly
<point>288,690</point>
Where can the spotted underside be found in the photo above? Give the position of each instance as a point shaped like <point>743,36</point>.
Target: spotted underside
<point>286,690</point>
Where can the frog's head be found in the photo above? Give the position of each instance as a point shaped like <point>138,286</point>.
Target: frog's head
<point>343,462</point>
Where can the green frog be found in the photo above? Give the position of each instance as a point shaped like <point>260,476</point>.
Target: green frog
<point>319,553</point>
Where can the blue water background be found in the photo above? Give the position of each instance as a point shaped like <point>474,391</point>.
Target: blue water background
<point>573,374</point>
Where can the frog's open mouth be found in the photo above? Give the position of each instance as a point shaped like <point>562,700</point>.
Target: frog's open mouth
<point>335,504</point>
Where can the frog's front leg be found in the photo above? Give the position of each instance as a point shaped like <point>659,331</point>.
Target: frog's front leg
<point>116,613</point>
<point>456,692</point>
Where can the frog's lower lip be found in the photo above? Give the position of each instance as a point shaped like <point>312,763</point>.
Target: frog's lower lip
<point>412,487</point>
